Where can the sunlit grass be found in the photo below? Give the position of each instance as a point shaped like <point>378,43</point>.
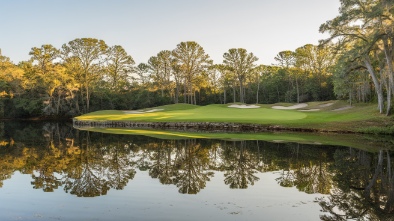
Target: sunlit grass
<point>210,113</point>
<point>356,118</point>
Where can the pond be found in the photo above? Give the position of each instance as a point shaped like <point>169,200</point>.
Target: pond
<point>51,171</point>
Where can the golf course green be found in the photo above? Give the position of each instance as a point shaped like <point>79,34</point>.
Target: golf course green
<point>328,115</point>
<point>191,113</point>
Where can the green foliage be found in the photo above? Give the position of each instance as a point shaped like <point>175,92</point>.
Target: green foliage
<point>363,34</point>
<point>88,75</point>
<point>118,69</point>
<point>27,107</point>
<point>192,61</point>
<point>241,63</point>
<point>388,130</point>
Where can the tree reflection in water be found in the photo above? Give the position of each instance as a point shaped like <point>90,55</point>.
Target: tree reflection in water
<point>98,167</point>
<point>191,166</point>
<point>162,167</point>
<point>86,164</point>
<point>365,187</point>
<point>240,166</point>
<point>307,170</point>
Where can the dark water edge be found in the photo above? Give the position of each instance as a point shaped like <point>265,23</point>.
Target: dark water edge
<point>80,175</point>
<point>201,126</point>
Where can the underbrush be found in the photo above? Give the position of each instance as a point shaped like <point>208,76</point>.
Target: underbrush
<point>386,130</point>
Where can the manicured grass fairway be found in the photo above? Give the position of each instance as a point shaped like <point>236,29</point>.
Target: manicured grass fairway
<point>352,119</point>
<point>210,113</point>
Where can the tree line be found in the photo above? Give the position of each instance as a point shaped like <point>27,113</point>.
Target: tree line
<point>355,63</point>
<point>86,74</point>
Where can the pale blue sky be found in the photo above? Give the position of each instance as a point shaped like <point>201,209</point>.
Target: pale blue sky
<point>145,27</point>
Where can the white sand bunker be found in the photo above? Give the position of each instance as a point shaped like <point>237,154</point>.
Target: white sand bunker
<point>310,110</point>
<point>297,106</point>
<point>133,112</point>
<point>141,112</point>
<point>343,108</point>
<point>326,105</point>
<point>243,106</point>
<point>153,110</point>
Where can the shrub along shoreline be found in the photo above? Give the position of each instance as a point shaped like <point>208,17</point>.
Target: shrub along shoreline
<point>200,126</point>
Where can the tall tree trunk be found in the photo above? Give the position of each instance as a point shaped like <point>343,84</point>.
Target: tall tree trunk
<point>389,207</point>
<point>233,93</point>
<point>298,90</point>
<point>290,88</point>
<point>375,176</point>
<point>219,95</point>
<point>378,87</point>
<point>194,98</point>
<point>87,98</point>
<point>389,60</point>
<point>190,99</point>
<point>177,92</point>
<point>258,89</point>
<point>87,91</point>
<point>224,95</point>
<point>58,104</point>
<point>82,99</point>
<point>241,92</point>
<point>74,97</point>
<point>184,93</point>
<point>388,52</point>
<point>388,109</point>
<point>190,92</point>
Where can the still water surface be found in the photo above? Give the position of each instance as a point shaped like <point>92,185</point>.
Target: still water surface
<point>50,171</point>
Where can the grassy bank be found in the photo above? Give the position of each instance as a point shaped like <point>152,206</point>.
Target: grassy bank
<point>330,115</point>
